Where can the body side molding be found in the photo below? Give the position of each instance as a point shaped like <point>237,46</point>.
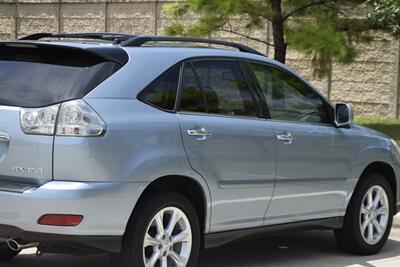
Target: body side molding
<point>213,240</point>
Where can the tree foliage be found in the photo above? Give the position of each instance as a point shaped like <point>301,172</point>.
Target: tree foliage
<point>325,29</point>
<point>386,14</point>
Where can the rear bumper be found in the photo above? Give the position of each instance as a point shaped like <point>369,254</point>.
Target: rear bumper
<point>78,243</point>
<point>106,208</point>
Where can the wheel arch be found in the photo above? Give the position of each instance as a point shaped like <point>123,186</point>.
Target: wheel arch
<point>384,169</point>
<point>195,191</point>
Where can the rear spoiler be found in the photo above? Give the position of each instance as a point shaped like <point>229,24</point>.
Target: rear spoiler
<point>114,54</point>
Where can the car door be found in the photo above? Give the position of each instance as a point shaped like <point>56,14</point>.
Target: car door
<point>313,158</point>
<point>227,141</point>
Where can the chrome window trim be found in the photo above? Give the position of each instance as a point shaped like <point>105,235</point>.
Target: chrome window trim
<point>303,123</point>
<point>220,115</point>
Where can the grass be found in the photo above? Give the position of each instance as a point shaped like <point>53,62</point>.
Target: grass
<point>390,127</point>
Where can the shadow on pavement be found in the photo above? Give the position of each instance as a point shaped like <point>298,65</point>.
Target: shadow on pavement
<point>314,248</point>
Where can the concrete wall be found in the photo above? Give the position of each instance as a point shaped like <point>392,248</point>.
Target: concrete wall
<point>371,84</point>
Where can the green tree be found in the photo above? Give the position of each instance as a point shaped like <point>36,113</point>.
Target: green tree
<point>386,14</point>
<point>325,29</point>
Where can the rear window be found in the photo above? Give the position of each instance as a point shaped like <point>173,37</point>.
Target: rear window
<point>35,76</point>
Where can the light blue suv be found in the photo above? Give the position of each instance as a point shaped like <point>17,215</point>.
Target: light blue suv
<point>151,150</point>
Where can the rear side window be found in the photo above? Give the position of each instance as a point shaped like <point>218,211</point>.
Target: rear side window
<point>162,92</point>
<point>225,88</point>
<point>35,76</point>
<point>191,98</point>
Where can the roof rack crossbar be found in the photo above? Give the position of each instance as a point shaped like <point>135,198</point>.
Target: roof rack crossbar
<point>118,37</point>
<point>141,40</point>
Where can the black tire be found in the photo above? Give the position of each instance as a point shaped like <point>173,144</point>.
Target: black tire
<point>132,247</point>
<point>349,238</point>
<point>6,254</point>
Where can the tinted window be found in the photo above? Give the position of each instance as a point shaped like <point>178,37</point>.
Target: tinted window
<point>41,76</point>
<point>288,97</point>
<point>225,88</point>
<point>162,92</point>
<point>191,98</point>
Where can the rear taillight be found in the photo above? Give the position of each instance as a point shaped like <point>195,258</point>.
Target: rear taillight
<point>72,118</point>
<point>77,118</point>
<point>39,120</point>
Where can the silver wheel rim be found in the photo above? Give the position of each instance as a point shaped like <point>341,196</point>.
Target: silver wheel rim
<point>374,215</point>
<point>168,239</point>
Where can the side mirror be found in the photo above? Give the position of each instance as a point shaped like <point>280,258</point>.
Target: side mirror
<point>343,114</point>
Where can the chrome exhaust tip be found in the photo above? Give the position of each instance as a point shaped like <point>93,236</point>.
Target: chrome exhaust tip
<point>16,246</point>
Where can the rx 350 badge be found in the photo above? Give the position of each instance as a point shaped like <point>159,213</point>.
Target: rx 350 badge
<point>28,170</point>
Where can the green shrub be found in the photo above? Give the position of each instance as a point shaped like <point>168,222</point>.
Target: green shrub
<point>391,127</point>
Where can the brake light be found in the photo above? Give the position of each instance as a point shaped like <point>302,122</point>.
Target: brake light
<point>72,118</point>
<point>60,220</point>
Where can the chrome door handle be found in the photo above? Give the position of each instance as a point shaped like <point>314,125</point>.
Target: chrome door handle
<point>4,138</point>
<point>201,133</point>
<point>287,138</point>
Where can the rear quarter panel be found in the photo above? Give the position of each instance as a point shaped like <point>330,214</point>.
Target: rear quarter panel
<point>141,145</point>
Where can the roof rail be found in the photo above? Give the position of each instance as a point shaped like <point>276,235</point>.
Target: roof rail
<point>141,40</point>
<point>115,37</point>
<point>128,40</point>
<point>36,36</point>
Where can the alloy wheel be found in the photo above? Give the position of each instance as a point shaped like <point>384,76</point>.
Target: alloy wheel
<point>374,215</point>
<point>168,239</point>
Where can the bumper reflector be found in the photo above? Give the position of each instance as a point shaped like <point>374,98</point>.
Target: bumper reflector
<point>60,220</point>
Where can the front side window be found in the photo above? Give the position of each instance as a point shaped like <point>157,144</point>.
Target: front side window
<point>289,98</point>
<point>224,88</point>
<point>162,92</point>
